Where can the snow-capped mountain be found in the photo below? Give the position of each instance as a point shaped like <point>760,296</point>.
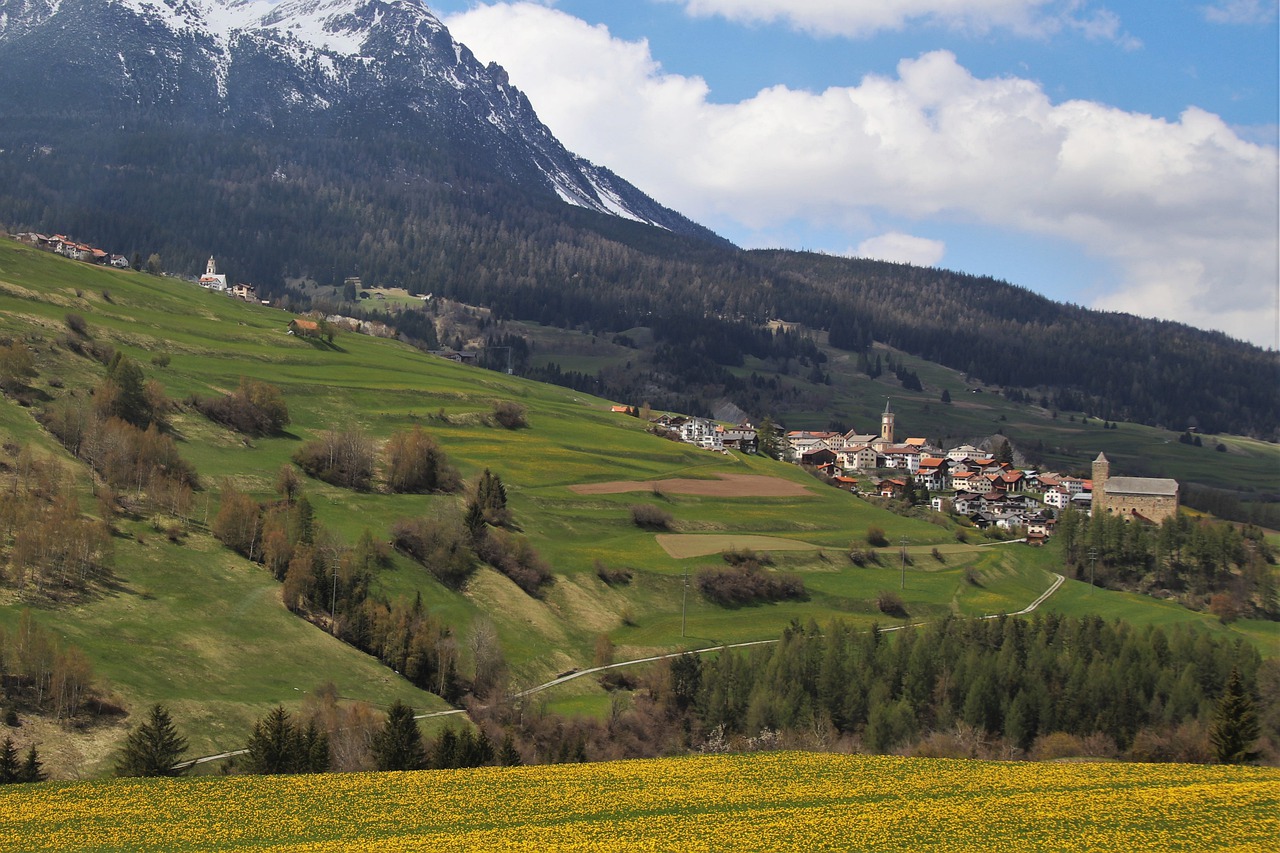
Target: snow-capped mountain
<point>336,67</point>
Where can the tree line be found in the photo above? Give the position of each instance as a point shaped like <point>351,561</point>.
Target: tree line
<point>1227,568</point>
<point>996,688</point>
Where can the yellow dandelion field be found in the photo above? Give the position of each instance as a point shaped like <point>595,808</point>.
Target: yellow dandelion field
<point>776,801</point>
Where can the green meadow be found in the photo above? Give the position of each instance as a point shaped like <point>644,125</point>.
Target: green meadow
<point>191,624</point>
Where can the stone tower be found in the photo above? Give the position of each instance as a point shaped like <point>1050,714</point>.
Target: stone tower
<point>886,424</point>
<point>211,268</point>
<point>1101,473</point>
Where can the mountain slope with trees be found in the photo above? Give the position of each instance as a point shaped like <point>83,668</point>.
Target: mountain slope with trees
<point>410,164</point>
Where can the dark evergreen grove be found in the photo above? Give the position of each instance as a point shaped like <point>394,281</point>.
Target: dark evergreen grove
<point>1226,567</point>
<point>1010,678</point>
<point>281,744</point>
<point>1044,687</point>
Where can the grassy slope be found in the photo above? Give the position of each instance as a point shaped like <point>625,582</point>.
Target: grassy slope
<point>201,629</point>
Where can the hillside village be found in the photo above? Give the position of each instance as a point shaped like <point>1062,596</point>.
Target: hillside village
<point>990,492</point>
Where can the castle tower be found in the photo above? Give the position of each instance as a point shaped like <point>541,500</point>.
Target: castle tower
<point>211,268</point>
<point>886,424</point>
<point>1101,473</point>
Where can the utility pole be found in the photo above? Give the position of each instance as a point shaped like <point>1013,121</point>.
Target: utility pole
<point>333,602</point>
<point>904,562</point>
<point>1093,563</point>
<point>510,370</point>
<point>684,604</point>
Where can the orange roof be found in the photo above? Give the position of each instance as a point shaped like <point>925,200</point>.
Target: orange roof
<point>917,442</point>
<point>306,324</point>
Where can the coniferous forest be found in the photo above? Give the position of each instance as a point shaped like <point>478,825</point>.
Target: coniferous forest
<point>1045,687</point>
<point>399,212</point>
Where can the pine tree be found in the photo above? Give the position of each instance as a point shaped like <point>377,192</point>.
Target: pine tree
<point>398,746</point>
<point>275,744</point>
<point>1004,452</point>
<point>508,755</point>
<point>315,749</point>
<point>767,441</point>
<point>1235,726</point>
<point>153,748</point>
<point>32,767</point>
<point>9,769</point>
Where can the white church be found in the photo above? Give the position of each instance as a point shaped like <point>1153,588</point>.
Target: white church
<point>211,279</point>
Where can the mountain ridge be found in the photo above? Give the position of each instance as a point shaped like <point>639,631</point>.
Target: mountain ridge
<point>251,66</point>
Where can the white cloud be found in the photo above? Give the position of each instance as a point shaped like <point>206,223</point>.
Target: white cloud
<point>860,18</point>
<point>1241,11</point>
<point>902,248</point>
<point>1184,211</point>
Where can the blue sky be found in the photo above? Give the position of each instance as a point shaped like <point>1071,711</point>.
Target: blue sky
<point>1121,155</point>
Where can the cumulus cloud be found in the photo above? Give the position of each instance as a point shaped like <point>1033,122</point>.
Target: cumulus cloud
<point>860,18</point>
<point>902,248</point>
<point>1184,211</point>
<point>1241,11</point>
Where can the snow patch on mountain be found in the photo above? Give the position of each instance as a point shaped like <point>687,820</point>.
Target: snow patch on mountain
<point>319,55</point>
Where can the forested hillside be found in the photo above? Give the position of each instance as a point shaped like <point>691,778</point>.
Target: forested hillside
<point>1115,366</point>
<point>408,163</point>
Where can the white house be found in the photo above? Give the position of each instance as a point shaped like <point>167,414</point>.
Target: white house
<point>702,432</point>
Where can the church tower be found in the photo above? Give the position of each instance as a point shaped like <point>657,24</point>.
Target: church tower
<point>886,424</point>
<point>1101,473</point>
<point>211,268</point>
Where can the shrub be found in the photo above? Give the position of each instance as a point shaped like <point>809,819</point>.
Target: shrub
<point>938,555</point>
<point>876,537</point>
<point>651,517</point>
<point>516,558</point>
<point>256,408</point>
<point>340,459</point>
<point>439,544</point>
<point>616,679</point>
<point>612,577</point>
<point>863,557</point>
<point>17,365</point>
<point>747,584</point>
<point>510,415</point>
<point>416,464</point>
<point>1055,745</point>
<point>1226,607</point>
<point>890,603</point>
<point>743,556</point>
<point>77,324</point>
